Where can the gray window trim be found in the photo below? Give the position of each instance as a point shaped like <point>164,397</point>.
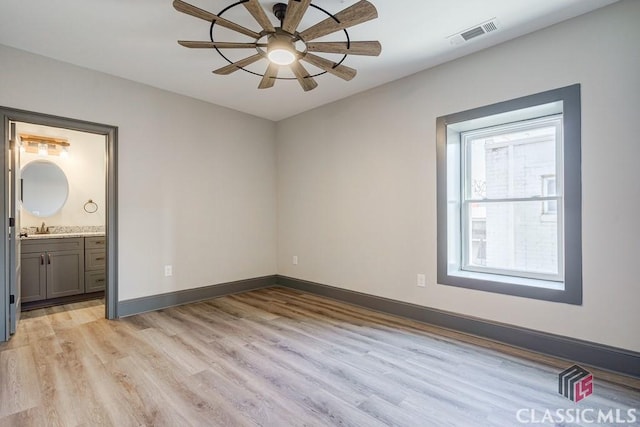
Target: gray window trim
<point>572,227</point>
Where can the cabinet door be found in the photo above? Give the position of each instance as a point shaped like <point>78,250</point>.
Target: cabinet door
<point>34,277</point>
<point>65,273</point>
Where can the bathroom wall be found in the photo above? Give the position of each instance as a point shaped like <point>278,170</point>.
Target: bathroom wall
<point>85,171</point>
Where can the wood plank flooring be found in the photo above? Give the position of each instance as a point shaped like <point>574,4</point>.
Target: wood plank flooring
<point>273,357</point>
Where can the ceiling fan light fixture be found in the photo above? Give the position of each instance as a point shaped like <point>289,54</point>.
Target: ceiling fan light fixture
<point>280,50</point>
<point>281,56</point>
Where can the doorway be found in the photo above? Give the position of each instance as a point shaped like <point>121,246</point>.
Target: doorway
<point>12,122</point>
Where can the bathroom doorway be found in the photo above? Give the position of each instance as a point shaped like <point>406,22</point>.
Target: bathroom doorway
<point>59,192</point>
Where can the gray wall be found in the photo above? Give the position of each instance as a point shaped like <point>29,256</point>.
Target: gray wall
<point>196,181</point>
<point>357,178</point>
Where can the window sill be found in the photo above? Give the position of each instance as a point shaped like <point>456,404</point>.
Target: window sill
<point>508,280</point>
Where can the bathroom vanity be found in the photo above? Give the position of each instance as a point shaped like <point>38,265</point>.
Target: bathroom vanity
<point>55,266</point>
<point>62,248</point>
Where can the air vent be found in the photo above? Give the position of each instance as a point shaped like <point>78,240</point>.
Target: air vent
<point>473,32</point>
<point>490,26</point>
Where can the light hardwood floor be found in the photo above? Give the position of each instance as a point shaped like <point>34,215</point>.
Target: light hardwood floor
<point>272,357</point>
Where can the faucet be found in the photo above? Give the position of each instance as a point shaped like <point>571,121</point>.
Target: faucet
<point>43,229</point>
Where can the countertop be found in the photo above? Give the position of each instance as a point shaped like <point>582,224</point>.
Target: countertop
<point>63,235</point>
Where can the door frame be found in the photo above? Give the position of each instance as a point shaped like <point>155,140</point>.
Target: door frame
<point>15,245</point>
<point>111,226</point>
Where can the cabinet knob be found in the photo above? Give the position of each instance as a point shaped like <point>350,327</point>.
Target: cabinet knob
<point>41,259</point>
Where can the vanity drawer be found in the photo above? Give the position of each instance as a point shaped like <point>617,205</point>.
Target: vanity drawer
<point>94,281</point>
<point>50,245</point>
<point>94,259</point>
<point>95,242</point>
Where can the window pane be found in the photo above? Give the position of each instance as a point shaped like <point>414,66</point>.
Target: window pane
<point>510,163</point>
<point>512,236</point>
<point>549,189</point>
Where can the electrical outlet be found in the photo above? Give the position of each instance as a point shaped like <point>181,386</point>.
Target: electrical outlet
<point>422,280</point>
<point>295,260</point>
<point>168,270</point>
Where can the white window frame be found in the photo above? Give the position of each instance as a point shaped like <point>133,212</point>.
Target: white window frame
<point>545,179</point>
<point>452,269</point>
<point>466,200</point>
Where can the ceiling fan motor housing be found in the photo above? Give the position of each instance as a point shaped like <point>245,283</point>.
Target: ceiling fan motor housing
<point>281,43</point>
<point>280,10</point>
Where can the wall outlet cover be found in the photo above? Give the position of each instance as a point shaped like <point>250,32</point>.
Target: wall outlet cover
<point>422,280</point>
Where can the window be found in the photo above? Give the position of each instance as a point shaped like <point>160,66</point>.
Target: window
<point>550,206</point>
<point>509,199</point>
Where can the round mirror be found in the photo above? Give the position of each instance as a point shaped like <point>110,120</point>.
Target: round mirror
<point>44,188</point>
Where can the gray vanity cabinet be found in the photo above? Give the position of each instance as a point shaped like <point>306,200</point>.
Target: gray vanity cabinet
<point>94,264</point>
<point>52,268</point>
<point>33,276</point>
<point>65,273</point>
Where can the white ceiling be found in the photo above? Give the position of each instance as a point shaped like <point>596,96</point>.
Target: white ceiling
<point>136,40</point>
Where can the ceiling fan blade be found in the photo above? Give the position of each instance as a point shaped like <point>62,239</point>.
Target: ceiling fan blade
<point>342,71</point>
<point>306,81</point>
<point>360,12</point>
<point>294,14</point>
<point>219,45</point>
<point>256,10</point>
<point>239,64</point>
<point>189,9</point>
<point>370,48</point>
<point>269,78</point>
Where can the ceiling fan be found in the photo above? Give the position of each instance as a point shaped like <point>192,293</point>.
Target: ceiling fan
<point>285,45</point>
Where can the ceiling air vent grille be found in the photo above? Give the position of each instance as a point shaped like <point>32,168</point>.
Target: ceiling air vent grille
<point>490,26</point>
<point>475,31</point>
